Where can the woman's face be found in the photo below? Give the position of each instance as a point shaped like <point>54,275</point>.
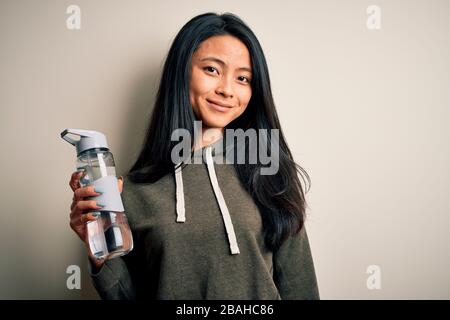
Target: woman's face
<point>220,75</point>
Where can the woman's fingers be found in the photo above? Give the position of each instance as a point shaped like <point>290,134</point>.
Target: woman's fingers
<point>86,205</point>
<point>78,204</point>
<point>81,193</point>
<point>81,210</point>
<point>74,182</point>
<point>88,217</point>
<point>77,208</point>
<point>80,220</point>
<point>89,191</point>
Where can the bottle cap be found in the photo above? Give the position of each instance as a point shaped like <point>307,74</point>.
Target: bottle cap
<point>88,139</point>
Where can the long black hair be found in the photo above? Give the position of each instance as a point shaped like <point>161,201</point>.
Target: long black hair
<point>279,197</point>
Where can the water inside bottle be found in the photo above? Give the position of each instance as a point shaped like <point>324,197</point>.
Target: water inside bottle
<point>94,173</point>
<point>109,235</point>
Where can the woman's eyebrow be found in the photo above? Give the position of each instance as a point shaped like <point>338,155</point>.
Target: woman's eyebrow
<point>223,63</point>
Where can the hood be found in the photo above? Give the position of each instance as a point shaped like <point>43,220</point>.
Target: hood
<point>215,152</point>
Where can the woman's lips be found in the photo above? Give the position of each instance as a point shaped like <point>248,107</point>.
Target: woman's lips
<point>218,107</point>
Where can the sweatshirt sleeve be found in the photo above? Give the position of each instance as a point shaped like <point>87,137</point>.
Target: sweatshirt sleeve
<point>118,278</point>
<point>113,281</point>
<point>294,273</point>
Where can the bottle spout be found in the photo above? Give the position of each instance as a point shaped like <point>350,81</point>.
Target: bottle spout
<point>68,139</point>
<point>89,139</point>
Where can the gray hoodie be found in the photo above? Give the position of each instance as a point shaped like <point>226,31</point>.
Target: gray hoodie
<point>198,235</point>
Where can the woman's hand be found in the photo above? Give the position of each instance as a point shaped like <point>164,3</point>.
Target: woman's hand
<point>81,210</point>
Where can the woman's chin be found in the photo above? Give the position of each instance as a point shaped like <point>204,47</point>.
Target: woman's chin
<point>215,122</point>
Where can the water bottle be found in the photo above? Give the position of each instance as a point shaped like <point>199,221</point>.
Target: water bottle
<point>109,236</point>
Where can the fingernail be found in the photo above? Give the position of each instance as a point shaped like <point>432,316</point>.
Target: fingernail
<point>98,190</point>
<point>100,205</point>
<point>95,214</point>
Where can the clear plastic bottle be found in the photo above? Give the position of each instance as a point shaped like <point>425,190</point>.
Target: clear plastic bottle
<point>109,236</point>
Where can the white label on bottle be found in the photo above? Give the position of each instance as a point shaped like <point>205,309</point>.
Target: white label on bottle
<point>96,241</point>
<point>118,237</point>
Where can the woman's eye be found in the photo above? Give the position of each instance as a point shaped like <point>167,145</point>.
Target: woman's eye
<point>245,79</point>
<point>210,69</point>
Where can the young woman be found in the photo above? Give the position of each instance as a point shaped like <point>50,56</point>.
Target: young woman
<point>212,230</point>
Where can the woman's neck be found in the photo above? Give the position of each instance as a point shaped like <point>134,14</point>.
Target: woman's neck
<point>208,136</point>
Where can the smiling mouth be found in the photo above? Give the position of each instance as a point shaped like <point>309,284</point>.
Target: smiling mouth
<point>217,106</point>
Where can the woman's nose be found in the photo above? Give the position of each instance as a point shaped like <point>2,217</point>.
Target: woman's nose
<point>225,87</point>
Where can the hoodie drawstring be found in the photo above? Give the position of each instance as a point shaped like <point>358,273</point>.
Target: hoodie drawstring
<point>223,206</point>
<point>180,195</point>
<point>219,197</point>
